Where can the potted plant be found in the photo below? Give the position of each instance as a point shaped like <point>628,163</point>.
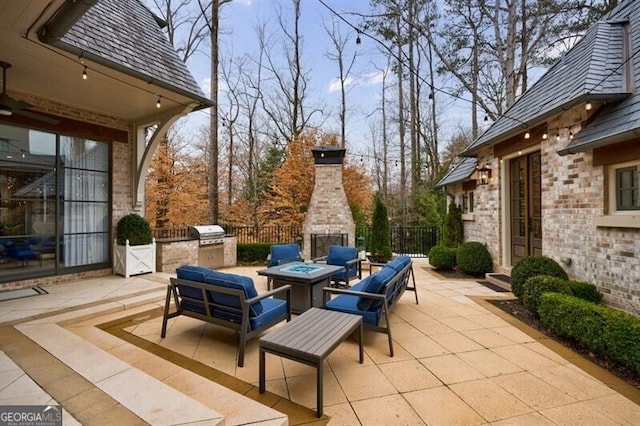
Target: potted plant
<point>134,249</point>
<point>380,239</point>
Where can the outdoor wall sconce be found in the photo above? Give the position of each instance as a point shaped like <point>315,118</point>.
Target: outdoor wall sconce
<point>484,174</point>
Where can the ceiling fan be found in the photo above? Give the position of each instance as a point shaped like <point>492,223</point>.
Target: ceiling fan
<point>10,106</point>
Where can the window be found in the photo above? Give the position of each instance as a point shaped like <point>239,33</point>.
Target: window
<point>627,189</point>
<point>467,202</point>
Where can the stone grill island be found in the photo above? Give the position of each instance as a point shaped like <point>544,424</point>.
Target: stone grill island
<point>329,219</point>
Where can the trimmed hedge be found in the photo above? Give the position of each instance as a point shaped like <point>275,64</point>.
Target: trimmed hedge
<point>606,331</point>
<point>473,258</point>
<point>585,291</point>
<point>441,257</point>
<point>254,252</point>
<point>530,267</point>
<point>534,287</point>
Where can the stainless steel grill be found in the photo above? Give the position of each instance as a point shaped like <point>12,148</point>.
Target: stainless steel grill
<point>208,234</point>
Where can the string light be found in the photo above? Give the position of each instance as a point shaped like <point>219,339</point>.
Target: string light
<point>545,136</point>
<point>588,106</point>
<point>527,135</point>
<point>358,40</point>
<point>84,73</point>
<point>158,101</point>
<point>558,136</point>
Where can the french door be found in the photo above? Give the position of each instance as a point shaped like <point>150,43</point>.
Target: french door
<point>526,206</point>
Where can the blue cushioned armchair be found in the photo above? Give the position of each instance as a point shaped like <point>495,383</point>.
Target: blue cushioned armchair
<point>284,253</point>
<point>346,257</point>
<point>227,300</point>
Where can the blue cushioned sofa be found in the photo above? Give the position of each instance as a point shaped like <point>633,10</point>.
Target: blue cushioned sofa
<point>227,300</point>
<point>374,297</point>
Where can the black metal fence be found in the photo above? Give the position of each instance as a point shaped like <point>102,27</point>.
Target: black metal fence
<point>265,234</point>
<point>414,241</point>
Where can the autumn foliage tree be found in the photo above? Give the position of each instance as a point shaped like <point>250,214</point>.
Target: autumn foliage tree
<point>176,190</point>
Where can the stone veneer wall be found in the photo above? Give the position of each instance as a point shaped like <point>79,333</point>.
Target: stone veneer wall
<point>573,196</point>
<point>329,211</point>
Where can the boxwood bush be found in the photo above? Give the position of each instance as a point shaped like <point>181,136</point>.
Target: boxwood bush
<point>585,291</point>
<point>534,287</point>
<point>253,253</point>
<point>441,257</point>
<point>473,258</point>
<point>134,228</point>
<point>606,331</point>
<point>531,266</point>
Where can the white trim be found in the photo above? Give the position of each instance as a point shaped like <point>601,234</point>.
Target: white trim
<point>614,217</point>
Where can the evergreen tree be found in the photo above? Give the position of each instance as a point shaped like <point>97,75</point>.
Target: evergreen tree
<point>380,240</point>
<point>453,229</point>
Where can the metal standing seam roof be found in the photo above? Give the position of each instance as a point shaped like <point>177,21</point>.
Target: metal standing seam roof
<point>590,70</point>
<point>126,34</point>
<point>459,172</point>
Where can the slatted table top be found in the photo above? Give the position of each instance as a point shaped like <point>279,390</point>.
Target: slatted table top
<point>312,335</point>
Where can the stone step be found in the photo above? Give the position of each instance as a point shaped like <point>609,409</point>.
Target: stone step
<point>499,279</point>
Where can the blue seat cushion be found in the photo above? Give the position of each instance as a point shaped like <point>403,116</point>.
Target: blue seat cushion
<point>349,304</point>
<point>399,262</point>
<point>284,253</point>
<point>237,282</point>
<point>375,284</point>
<point>273,309</point>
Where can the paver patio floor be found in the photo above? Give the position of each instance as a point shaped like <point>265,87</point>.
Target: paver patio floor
<point>94,347</point>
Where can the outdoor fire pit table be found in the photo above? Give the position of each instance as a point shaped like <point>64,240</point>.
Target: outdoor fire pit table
<point>306,281</point>
<point>309,339</point>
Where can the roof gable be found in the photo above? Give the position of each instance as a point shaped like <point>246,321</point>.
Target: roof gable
<point>126,35</point>
<point>459,172</point>
<point>590,70</point>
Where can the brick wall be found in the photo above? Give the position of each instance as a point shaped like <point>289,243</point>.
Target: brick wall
<point>573,196</point>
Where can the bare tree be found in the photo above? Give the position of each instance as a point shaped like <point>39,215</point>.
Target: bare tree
<point>345,64</point>
<point>186,27</point>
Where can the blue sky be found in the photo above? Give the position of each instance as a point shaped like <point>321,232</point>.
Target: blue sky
<point>238,36</point>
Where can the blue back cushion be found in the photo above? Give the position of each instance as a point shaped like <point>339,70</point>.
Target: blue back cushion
<point>284,253</point>
<point>399,262</point>
<point>339,255</point>
<point>375,284</point>
<point>192,273</point>
<point>237,282</point>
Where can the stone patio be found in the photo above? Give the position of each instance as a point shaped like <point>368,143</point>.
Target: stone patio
<point>94,347</point>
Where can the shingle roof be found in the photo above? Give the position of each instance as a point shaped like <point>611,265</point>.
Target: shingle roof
<point>459,172</point>
<point>615,122</point>
<point>126,35</point>
<point>590,70</point>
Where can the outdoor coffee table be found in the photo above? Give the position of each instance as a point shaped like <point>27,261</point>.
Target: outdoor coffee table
<point>309,339</point>
<point>306,281</point>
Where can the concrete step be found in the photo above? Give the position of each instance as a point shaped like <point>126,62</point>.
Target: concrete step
<point>499,279</point>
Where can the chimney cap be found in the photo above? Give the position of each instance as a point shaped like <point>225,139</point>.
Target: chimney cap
<point>328,154</point>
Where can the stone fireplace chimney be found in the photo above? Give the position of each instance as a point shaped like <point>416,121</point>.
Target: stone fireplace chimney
<point>329,219</point>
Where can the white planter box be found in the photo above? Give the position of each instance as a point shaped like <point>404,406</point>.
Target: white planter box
<point>132,260</point>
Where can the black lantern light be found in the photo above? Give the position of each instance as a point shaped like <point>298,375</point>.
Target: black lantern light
<point>484,174</point>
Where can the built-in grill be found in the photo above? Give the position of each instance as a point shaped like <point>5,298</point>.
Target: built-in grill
<point>211,240</point>
<point>207,234</point>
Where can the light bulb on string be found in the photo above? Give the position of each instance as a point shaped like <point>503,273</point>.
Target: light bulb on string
<point>84,73</point>
<point>158,101</point>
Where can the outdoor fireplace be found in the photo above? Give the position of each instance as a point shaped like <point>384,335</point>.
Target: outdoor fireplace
<point>329,213</point>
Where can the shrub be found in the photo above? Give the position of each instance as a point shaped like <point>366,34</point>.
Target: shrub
<point>253,253</point>
<point>453,228</point>
<point>473,258</point>
<point>534,287</point>
<point>441,257</point>
<point>134,228</point>
<point>380,239</point>
<point>606,331</point>
<point>585,291</point>
<point>530,267</point>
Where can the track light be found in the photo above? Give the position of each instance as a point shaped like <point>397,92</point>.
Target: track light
<point>84,73</point>
<point>158,101</point>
